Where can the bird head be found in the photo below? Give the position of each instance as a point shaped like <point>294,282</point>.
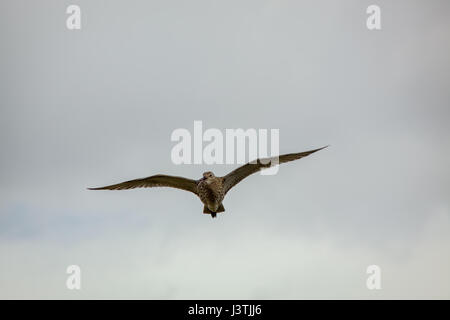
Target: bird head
<point>208,174</point>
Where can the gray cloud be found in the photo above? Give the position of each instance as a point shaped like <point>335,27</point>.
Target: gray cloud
<point>97,106</point>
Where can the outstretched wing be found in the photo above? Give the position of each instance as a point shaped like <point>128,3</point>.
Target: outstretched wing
<point>158,180</point>
<point>236,176</point>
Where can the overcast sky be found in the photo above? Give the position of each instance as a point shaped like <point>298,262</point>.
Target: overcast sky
<point>97,106</point>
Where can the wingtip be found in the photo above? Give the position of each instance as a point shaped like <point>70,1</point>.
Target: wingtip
<point>321,148</point>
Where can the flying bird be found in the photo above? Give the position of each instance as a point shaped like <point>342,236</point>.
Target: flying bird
<point>210,189</point>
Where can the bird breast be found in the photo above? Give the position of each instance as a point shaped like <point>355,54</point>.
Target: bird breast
<point>210,191</point>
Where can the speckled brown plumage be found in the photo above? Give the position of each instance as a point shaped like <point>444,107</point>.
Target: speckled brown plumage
<point>210,189</point>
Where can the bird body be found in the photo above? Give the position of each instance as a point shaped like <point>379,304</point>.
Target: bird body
<point>210,189</point>
<point>211,192</point>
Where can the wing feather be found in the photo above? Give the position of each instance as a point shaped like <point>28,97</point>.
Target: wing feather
<point>154,181</point>
<point>236,176</point>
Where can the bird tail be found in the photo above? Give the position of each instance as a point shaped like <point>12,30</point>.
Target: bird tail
<point>213,214</point>
<point>206,210</point>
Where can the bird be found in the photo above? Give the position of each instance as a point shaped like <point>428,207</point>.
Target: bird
<point>210,189</point>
